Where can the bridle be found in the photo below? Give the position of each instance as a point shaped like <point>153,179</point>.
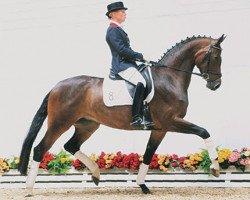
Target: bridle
<point>206,74</point>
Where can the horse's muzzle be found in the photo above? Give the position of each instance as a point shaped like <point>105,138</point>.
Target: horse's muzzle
<point>214,85</point>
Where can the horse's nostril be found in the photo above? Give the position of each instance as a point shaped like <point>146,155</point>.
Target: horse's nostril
<point>217,85</point>
<point>214,85</point>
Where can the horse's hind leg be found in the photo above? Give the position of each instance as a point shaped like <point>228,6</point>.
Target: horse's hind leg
<point>83,130</point>
<point>55,130</point>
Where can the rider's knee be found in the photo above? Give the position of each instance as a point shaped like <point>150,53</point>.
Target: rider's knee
<point>144,82</point>
<point>140,84</point>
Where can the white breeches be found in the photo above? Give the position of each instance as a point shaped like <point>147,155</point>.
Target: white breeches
<point>133,76</point>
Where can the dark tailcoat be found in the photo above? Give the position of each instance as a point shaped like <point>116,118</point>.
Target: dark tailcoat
<point>123,56</point>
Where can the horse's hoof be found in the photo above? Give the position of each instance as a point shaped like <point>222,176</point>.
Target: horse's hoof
<point>96,176</point>
<point>95,180</point>
<point>215,168</point>
<point>215,172</point>
<point>28,195</point>
<point>29,192</point>
<point>145,189</point>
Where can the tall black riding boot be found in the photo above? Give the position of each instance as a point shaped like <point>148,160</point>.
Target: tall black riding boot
<point>137,106</point>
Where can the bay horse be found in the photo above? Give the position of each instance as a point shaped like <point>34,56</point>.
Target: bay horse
<point>78,102</point>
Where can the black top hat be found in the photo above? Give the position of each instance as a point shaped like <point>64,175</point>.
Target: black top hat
<point>115,6</point>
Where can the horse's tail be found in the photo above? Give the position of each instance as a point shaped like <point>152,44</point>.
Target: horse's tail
<point>32,134</point>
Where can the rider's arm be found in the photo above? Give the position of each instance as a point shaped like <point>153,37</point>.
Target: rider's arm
<point>115,39</point>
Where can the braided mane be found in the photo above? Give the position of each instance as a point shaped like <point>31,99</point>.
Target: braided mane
<point>178,45</point>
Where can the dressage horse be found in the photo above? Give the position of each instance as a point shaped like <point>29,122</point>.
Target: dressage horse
<point>78,102</point>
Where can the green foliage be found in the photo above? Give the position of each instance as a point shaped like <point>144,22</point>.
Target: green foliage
<point>205,164</point>
<point>61,164</point>
<point>13,162</point>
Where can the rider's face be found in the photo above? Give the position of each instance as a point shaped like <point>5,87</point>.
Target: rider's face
<point>119,15</point>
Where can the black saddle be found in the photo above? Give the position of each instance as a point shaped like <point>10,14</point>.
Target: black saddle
<point>143,69</point>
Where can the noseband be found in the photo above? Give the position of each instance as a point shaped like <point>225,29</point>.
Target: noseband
<point>207,73</point>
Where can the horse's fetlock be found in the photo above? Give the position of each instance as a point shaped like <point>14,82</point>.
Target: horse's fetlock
<point>71,148</point>
<point>38,156</point>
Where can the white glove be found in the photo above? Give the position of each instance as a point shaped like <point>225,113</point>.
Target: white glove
<point>147,61</point>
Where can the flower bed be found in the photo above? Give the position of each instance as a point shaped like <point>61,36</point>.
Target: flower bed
<point>62,162</point>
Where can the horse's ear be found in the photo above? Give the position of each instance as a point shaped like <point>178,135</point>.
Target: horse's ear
<point>220,40</point>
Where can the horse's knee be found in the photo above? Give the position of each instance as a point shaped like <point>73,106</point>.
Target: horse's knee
<point>71,147</point>
<point>204,134</point>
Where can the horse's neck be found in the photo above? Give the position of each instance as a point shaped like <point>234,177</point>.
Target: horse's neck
<point>179,74</point>
<point>182,59</point>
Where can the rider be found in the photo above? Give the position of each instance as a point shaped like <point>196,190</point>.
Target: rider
<point>123,60</point>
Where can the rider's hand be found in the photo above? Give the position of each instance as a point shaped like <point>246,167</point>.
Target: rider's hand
<point>147,61</point>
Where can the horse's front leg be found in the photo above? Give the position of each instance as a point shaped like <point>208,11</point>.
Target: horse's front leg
<point>153,143</point>
<point>182,126</point>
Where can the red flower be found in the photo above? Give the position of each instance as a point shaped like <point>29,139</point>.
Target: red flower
<point>182,159</point>
<point>134,161</point>
<point>154,162</point>
<point>78,164</point>
<point>43,165</point>
<point>175,157</point>
<point>130,161</point>
<point>174,164</point>
<point>101,163</point>
<point>46,159</point>
<point>118,160</point>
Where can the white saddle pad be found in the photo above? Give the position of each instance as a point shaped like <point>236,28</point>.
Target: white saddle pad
<point>115,92</point>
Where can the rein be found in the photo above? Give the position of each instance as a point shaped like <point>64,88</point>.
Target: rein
<point>155,64</point>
